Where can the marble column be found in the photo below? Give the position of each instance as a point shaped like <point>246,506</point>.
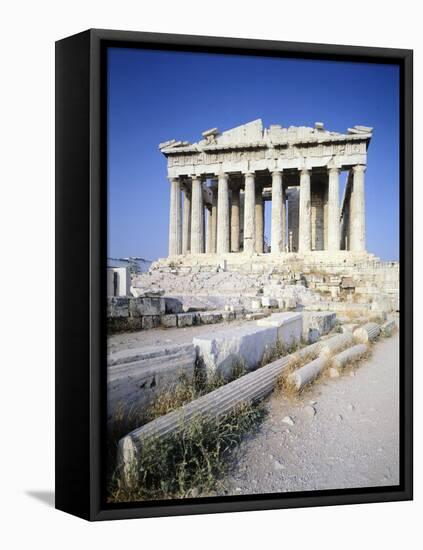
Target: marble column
<point>235,211</point>
<point>208,231</point>
<point>213,224</point>
<point>305,212</point>
<point>278,214</point>
<point>223,237</point>
<point>259,219</point>
<point>333,210</point>
<point>186,222</point>
<point>249,213</point>
<point>197,213</point>
<point>175,222</point>
<point>357,211</point>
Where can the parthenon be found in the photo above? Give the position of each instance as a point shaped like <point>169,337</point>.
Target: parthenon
<point>219,186</point>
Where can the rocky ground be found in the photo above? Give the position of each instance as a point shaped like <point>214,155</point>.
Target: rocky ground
<point>342,433</point>
<point>215,289</point>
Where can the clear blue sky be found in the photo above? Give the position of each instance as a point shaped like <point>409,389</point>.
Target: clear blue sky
<point>155,96</point>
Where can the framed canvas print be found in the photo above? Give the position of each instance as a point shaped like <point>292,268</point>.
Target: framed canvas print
<point>234,274</point>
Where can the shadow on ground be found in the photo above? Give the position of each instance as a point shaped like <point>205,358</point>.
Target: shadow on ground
<point>46,497</point>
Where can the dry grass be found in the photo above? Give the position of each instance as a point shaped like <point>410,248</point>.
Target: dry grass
<point>189,463</point>
<point>279,350</point>
<point>185,391</point>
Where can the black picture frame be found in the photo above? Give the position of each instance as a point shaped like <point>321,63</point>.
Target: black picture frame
<point>81,205</point>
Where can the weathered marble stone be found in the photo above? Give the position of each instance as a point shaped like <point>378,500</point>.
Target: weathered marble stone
<point>322,321</point>
<point>367,333</point>
<point>187,319</point>
<point>173,305</point>
<point>266,301</point>
<point>139,307</point>
<point>289,326</point>
<point>348,356</point>
<point>168,320</point>
<point>117,306</point>
<point>221,351</point>
<point>210,317</point>
<point>150,321</point>
<point>388,328</point>
<point>135,377</point>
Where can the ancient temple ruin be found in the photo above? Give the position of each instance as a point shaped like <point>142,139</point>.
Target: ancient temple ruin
<point>219,186</point>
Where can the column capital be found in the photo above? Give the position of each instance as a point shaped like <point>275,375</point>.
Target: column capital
<point>174,179</point>
<point>305,171</point>
<point>333,169</point>
<point>359,168</point>
<point>276,172</point>
<point>222,175</point>
<point>249,173</point>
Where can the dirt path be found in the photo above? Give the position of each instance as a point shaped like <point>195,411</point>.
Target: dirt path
<point>352,439</point>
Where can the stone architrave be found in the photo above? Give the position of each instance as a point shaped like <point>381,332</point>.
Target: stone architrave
<point>249,213</point>
<point>197,214</point>
<point>223,236</point>
<point>305,212</point>
<point>175,226</point>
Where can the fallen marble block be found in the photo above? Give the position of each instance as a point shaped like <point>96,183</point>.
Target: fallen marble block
<point>308,373</point>
<point>335,344</point>
<point>388,328</point>
<point>169,320</point>
<point>366,333</point>
<point>210,317</point>
<point>249,388</point>
<point>288,324</point>
<point>323,321</point>
<point>187,319</point>
<point>135,377</point>
<point>269,302</point>
<point>349,355</point>
<point>225,349</point>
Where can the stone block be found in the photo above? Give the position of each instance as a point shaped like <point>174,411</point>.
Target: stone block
<point>169,320</point>
<point>256,304</point>
<point>173,305</point>
<point>228,315</point>
<point>381,303</point>
<point>281,303</point>
<point>150,321</point>
<point>266,301</point>
<point>210,317</point>
<point>187,319</point>
<point>136,376</point>
<point>221,351</point>
<point>117,306</point>
<point>289,326</point>
<point>323,321</point>
<point>138,307</point>
<point>256,316</point>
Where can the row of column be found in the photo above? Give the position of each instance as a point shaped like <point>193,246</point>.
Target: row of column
<point>224,217</point>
